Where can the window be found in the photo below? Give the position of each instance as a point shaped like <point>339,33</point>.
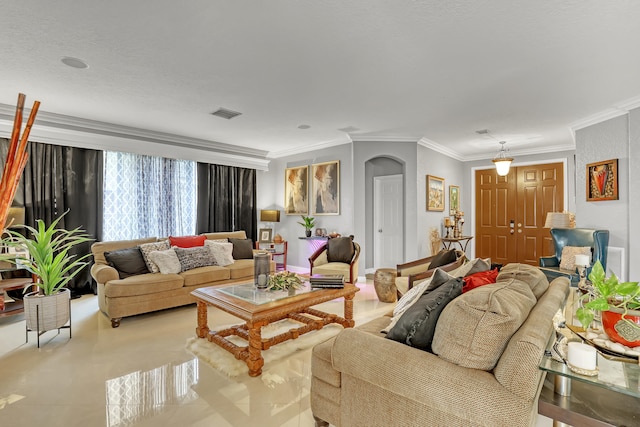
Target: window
<point>147,196</point>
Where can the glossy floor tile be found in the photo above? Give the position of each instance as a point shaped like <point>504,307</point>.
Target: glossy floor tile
<point>140,374</point>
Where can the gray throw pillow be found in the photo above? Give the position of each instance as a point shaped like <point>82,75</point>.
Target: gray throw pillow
<point>242,248</point>
<point>443,257</point>
<point>128,262</point>
<point>417,325</point>
<point>340,249</point>
<point>190,258</point>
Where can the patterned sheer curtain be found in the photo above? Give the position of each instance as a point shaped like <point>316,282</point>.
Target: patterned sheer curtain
<point>147,196</point>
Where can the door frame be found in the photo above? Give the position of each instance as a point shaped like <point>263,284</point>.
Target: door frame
<point>471,249</point>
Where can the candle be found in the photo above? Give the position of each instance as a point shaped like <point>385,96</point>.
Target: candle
<point>582,355</point>
<point>447,222</point>
<point>262,279</point>
<point>581,260</point>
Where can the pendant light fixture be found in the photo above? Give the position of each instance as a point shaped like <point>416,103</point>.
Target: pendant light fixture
<point>502,160</point>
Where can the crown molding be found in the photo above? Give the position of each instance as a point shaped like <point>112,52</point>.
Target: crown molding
<point>61,129</point>
<point>307,148</point>
<point>525,152</point>
<point>441,149</point>
<point>382,138</point>
<point>617,110</point>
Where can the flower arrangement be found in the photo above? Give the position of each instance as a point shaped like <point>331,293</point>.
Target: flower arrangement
<point>284,281</point>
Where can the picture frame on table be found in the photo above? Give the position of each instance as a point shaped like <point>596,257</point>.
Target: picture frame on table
<point>296,190</point>
<point>265,235</point>
<point>602,180</point>
<point>435,193</point>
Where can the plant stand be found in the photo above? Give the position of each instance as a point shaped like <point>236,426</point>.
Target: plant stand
<point>39,332</point>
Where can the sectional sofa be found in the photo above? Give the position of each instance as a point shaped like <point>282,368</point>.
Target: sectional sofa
<point>120,296</point>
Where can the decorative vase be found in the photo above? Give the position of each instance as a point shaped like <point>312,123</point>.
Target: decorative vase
<point>278,239</point>
<point>261,270</point>
<point>308,233</point>
<point>47,312</point>
<point>619,330</point>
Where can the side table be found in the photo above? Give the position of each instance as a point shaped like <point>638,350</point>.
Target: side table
<point>17,307</point>
<point>384,281</point>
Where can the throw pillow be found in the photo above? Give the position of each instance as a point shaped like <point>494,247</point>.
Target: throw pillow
<point>478,279</point>
<point>438,278</point>
<point>167,261</point>
<point>340,249</point>
<point>568,257</point>
<point>474,329</point>
<point>198,256</point>
<point>418,323</point>
<point>222,251</point>
<point>532,276</point>
<point>242,248</point>
<point>187,241</point>
<point>443,257</point>
<point>128,262</point>
<point>147,248</point>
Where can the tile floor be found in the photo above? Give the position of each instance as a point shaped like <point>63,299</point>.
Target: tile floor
<point>140,375</point>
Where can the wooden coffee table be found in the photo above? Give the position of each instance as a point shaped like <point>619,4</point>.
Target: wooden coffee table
<point>259,308</point>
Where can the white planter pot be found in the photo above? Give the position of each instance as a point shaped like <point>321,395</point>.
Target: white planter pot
<point>53,311</point>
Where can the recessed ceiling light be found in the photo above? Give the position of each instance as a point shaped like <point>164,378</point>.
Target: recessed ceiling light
<point>482,131</point>
<point>74,62</point>
<point>304,127</point>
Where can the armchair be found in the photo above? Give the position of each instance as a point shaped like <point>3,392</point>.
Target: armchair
<point>597,240</point>
<point>319,261</point>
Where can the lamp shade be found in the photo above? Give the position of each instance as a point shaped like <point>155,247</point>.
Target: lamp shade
<point>502,166</point>
<point>558,220</point>
<point>269,215</point>
<point>15,216</point>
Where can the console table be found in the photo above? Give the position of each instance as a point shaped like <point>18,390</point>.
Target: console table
<point>462,241</point>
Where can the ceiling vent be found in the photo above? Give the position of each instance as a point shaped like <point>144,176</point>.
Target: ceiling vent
<point>225,113</point>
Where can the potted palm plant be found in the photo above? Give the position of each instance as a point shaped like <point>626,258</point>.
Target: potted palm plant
<point>619,304</point>
<point>308,224</point>
<point>48,259</point>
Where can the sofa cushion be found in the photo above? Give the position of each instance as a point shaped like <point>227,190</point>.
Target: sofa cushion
<point>417,325</point>
<point>340,249</point>
<point>474,329</point>
<point>529,274</point>
<point>478,279</point>
<point>205,275</point>
<point>242,248</point>
<point>167,261</point>
<point>242,268</point>
<point>222,251</point>
<point>197,256</point>
<point>128,261</point>
<point>143,284</point>
<point>187,241</point>
<point>568,257</point>
<point>443,257</point>
<point>147,248</point>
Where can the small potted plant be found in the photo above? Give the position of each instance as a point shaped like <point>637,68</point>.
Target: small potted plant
<point>49,261</point>
<point>285,281</point>
<point>619,304</point>
<point>308,224</point>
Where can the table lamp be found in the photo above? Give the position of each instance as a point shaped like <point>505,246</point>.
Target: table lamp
<point>582,262</point>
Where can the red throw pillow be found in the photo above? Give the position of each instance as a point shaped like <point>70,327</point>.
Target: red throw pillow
<point>478,279</point>
<point>187,241</point>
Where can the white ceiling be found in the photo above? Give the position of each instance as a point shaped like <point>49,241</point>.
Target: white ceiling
<point>434,71</point>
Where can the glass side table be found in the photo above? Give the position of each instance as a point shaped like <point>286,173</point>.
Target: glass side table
<point>610,398</point>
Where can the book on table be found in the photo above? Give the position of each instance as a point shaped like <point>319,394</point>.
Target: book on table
<point>327,281</point>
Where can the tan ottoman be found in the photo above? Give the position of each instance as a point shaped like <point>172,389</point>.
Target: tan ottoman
<point>384,281</point>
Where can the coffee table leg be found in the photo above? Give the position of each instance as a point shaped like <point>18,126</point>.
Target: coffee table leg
<point>348,310</point>
<point>203,328</point>
<point>255,362</point>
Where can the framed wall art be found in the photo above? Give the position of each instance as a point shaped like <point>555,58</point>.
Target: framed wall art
<point>435,193</point>
<point>454,199</point>
<point>602,180</point>
<point>326,188</point>
<point>296,190</point>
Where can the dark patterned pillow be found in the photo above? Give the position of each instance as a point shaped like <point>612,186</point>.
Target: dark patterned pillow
<point>147,248</point>
<point>197,256</point>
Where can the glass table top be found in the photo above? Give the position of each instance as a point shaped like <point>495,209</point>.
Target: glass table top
<point>248,292</point>
<point>613,374</point>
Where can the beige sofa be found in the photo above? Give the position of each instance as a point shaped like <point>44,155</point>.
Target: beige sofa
<point>360,378</point>
<point>144,293</point>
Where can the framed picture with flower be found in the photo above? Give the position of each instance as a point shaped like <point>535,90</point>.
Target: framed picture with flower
<point>454,199</point>
<point>435,193</point>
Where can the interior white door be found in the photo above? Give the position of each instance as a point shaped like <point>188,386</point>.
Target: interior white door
<point>388,220</point>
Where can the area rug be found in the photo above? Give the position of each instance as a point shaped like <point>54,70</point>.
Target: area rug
<point>225,362</point>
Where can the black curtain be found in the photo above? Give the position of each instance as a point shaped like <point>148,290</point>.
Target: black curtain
<point>56,179</point>
<point>226,199</point>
